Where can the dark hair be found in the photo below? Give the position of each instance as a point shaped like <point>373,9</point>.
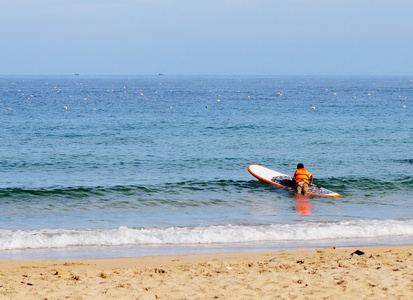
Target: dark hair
<point>300,166</point>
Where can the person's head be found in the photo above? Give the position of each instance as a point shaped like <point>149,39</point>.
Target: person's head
<point>300,166</point>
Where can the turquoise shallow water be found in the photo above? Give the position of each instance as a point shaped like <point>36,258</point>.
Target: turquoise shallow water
<point>161,161</point>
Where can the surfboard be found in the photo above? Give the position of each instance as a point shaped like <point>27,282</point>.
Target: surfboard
<point>286,181</point>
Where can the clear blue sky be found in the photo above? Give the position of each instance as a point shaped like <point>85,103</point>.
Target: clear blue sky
<point>206,37</point>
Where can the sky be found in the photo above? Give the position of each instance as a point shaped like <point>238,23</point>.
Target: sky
<point>206,37</point>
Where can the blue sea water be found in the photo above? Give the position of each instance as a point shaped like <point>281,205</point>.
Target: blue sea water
<point>100,166</point>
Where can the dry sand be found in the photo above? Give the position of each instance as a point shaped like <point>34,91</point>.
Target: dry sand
<point>381,273</point>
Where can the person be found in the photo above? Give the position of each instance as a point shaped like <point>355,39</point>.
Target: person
<point>302,179</point>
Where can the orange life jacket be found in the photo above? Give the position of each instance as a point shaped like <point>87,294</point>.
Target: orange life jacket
<point>302,175</point>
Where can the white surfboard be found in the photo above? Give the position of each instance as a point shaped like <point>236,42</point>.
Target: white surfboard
<point>286,181</point>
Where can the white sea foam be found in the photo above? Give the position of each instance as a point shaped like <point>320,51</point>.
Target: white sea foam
<point>58,238</point>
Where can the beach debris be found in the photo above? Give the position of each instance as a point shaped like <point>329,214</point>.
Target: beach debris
<point>61,272</point>
<point>159,271</point>
<point>358,252</point>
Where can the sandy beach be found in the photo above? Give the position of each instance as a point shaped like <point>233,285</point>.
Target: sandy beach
<point>379,273</point>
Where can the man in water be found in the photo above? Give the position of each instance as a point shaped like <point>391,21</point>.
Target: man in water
<point>302,179</point>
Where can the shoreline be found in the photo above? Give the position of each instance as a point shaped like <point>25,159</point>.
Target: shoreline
<point>93,252</point>
<point>310,274</point>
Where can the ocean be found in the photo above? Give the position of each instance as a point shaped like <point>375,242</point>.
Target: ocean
<point>112,166</point>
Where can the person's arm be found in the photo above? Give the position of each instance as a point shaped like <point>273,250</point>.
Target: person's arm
<point>312,178</point>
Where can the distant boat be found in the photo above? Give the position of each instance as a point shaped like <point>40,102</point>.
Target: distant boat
<point>161,74</point>
<point>76,74</point>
